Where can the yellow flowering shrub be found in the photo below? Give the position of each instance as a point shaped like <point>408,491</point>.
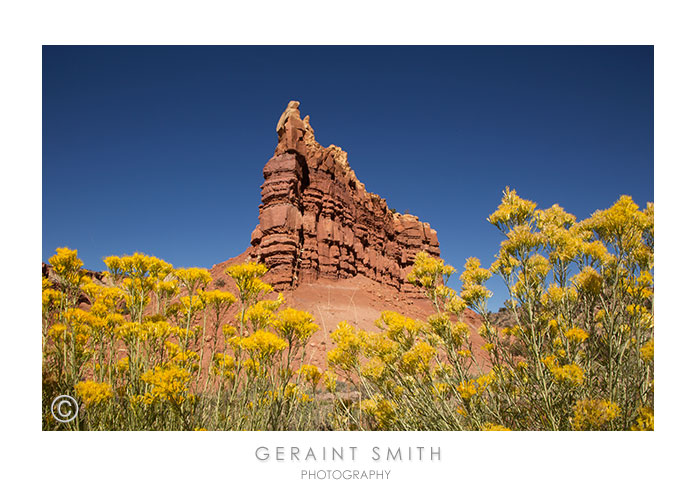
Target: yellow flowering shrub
<point>581,297</point>
<point>157,348</point>
<point>151,337</point>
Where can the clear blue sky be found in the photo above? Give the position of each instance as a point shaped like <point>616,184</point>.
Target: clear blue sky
<point>161,149</point>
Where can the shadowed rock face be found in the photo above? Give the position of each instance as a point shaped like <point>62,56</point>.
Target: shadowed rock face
<point>318,221</point>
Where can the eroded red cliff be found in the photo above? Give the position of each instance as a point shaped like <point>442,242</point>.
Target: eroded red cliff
<point>318,221</point>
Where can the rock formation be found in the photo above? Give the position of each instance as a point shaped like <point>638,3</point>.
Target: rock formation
<point>318,221</point>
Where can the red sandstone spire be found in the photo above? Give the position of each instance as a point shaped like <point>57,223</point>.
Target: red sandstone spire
<point>318,221</point>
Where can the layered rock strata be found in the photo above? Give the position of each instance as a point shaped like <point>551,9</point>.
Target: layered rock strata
<point>318,221</point>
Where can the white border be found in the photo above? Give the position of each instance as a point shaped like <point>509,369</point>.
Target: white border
<point>199,462</point>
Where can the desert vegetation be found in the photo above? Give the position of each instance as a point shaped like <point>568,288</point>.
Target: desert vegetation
<point>156,348</point>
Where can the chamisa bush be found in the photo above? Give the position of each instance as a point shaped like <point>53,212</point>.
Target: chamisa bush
<point>158,348</point>
<point>147,355</point>
<point>577,356</point>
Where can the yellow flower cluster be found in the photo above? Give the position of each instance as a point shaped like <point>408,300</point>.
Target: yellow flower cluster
<point>450,333</point>
<point>505,265</point>
<point>588,281</point>
<point>291,391</point>
<point>168,384</point>
<point>593,414</point>
<point>537,267</point>
<point>615,221</point>
<point>556,296</point>
<point>311,374</point>
<point>263,344</point>
<point>93,393</point>
<point>555,224</point>
<point>137,266</point>
<point>374,369</point>
<point>597,252</point>
<point>512,211</point>
<point>570,374</point>
<point>224,365</point>
<point>247,279</point>
<point>156,330</point>
<point>77,327</point>
<point>148,331</point>
<point>556,217</point>
<point>217,299</point>
<point>474,295</point>
<point>349,343</point>
<point>380,346</point>
<point>468,389</point>
<point>418,359</point>
<point>50,298</point>
<point>330,381</point>
<point>189,305</point>
<point>645,420</point>
<point>183,358</point>
<point>473,273</point>
<point>246,271</point>
<point>252,366</point>
<point>398,328</point>
<point>295,325</point>
<point>429,272</point>
<point>123,364</point>
<point>521,241</point>
<point>577,335</point>
<point>473,292</point>
<point>192,278</point>
<point>455,304</point>
<point>261,314</point>
<point>382,410</point>
<point>66,265</point>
